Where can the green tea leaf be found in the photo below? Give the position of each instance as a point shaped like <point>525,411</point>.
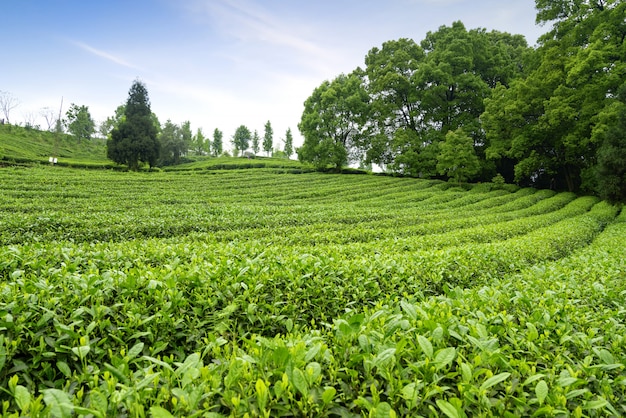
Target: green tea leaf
<point>541,390</point>
<point>299,382</point>
<point>425,345</point>
<point>22,397</point>
<point>409,309</point>
<point>81,351</point>
<point>383,410</point>
<point>135,351</point>
<point>261,393</point>
<point>444,357</point>
<point>597,404</point>
<point>59,403</point>
<point>64,368</point>
<point>494,380</point>
<point>448,409</point>
<point>328,395</point>
<point>160,412</point>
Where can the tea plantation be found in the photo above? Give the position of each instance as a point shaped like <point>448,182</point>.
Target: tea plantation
<point>263,293</point>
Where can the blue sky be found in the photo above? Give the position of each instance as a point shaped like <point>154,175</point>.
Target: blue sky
<point>217,63</point>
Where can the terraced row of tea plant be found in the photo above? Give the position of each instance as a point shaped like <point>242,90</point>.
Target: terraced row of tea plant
<point>260,293</point>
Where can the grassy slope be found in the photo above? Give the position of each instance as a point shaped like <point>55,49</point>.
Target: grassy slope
<point>29,145</point>
<point>21,145</point>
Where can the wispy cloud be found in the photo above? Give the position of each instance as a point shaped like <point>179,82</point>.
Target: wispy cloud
<point>105,55</point>
<point>261,30</point>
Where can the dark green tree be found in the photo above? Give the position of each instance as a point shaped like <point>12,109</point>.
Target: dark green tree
<point>610,172</point>
<point>268,138</point>
<point>79,122</point>
<point>241,139</point>
<point>217,145</point>
<point>134,140</point>
<point>547,124</point>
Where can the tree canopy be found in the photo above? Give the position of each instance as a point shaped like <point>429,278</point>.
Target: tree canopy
<point>79,122</point>
<point>134,139</point>
<point>541,116</point>
<point>241,139</point>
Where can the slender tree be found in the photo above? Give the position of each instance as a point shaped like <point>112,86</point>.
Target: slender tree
<point>186,136</point>
<point>268,138</point>
<point>288,143</point>
<point>256,142</point>
<point>201,144</point>
<point>134,140</point>
<point>217,145</point>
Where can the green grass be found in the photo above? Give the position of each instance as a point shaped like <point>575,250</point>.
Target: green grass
<point>263,293</point>
<point>20,145</point>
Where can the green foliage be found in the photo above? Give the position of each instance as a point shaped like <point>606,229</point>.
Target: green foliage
<point>457,158</point>
<point>200,144</point>
<point>174,143</point>
<point>268,138</point>
<point>18,144</point>
<point>79,122</point>
<point>217,144</point>
<point>134,140</point>
<point>241,139</point>
<point>332,122</point>
<point>268,294</point>
<point>256,142</point>
<point>288,143</point>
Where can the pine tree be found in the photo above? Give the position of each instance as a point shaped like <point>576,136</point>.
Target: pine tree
<point>134,140</point>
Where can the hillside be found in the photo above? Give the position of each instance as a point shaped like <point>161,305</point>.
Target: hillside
<point>21,145</point>
<point>262,293</point>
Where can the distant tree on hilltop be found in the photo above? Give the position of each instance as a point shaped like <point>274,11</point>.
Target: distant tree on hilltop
<point>79,122</point>
<point>241,139</point>
<point>134,140</point>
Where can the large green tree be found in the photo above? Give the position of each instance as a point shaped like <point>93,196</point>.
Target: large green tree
<point>421,92</point>
<point>548,124</point>
<point>332,122</point>
<point>395,116</point>
<point>79,122</point>
<point>134,140</point>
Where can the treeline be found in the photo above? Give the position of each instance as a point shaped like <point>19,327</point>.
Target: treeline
<point>472,105</point>
<point>135,136</point>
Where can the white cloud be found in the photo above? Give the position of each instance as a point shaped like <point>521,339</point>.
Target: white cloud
<point>102,54</point>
